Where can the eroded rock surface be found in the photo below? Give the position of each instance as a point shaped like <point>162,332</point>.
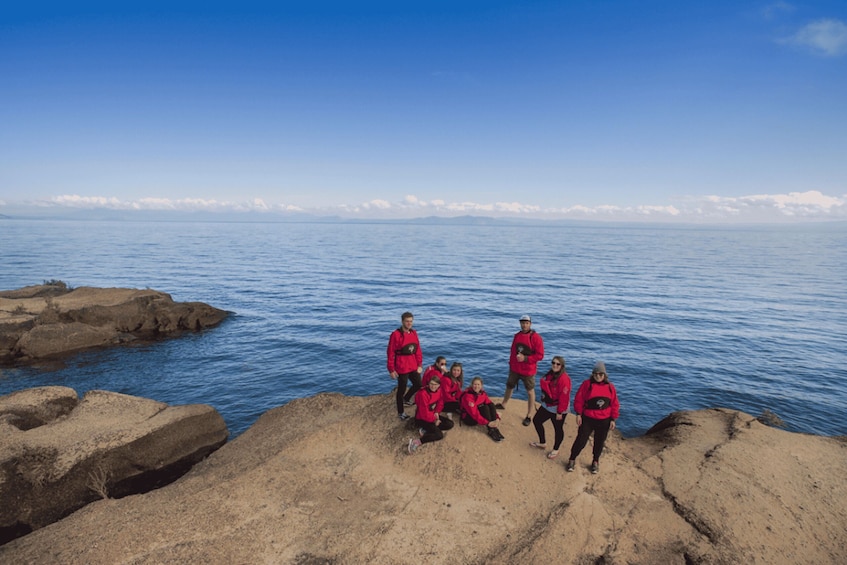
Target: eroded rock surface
<point>49,320</point>
<point>327,479</point>
<point>57,454</point>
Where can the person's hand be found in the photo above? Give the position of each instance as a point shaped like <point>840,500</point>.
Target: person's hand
<point>612,425</point>
<point>558,416</point>
<point>578,420</point>
<point>393,374</point>
<point>492,424</point>
<point>520,357</point>
<point>420,369</point>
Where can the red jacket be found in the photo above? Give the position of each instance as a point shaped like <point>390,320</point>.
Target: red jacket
<point>469,403</point>
<point>429,404</point>
<point>556,393</point>
<point>450,388</point>
<point>531,345</point>
<point>597,400</point>
<point>404,352</point>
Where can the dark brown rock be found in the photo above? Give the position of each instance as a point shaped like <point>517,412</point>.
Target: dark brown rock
<point>49,320</point>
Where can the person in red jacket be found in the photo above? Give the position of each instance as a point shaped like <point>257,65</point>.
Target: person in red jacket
<point>451,388</point>
<point>477,409</point>
<point>430,402</point>
<point>527,351</point>
<point>439,369</point>
<point>555,398</point>
<point>597,407</point>
<point>405,360</point>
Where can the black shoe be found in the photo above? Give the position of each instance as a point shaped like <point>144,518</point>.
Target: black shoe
<point>595,468</point>
<point>403,416</point>
<point>569,467</point>
<point>500,436</point>
<point>499,406</point>
<point>409,402</point>
<point>527,421</point>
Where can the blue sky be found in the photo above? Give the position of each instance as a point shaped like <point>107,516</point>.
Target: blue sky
<point>657,110</point>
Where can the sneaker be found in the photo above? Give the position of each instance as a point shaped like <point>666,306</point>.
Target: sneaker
<point>500,435</point>
<point>595,468</point>
<point>499,406</point>
<point>527,421</point>
<point>569,466</point>
<point>494,435</point>
<point>414,444</point>
<point>409,402</point>
<point>403,416</point>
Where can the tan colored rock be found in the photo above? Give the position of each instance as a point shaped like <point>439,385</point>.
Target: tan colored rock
<point>327,480</point>
<point>108,445</point>
<point>49,320</point>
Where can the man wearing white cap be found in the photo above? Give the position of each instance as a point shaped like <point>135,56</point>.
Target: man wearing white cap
<point>527,351</point>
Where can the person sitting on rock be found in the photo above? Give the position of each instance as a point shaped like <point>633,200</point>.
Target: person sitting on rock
<point>430,403</point>
<point>477,409</point>
<point>437,369</point>
<point>451,388</point>
<point>597,407</point>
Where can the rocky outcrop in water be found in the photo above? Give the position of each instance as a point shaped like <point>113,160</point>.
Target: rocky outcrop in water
<point>57,453</point>
<point>327,479</point>
<point>49,320</point>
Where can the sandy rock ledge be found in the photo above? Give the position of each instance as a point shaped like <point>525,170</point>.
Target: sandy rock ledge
<point>57,453</point>
<point>327,479</point>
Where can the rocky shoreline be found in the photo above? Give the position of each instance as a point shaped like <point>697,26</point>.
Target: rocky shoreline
<point>327,479</point>
<point>51,320</point>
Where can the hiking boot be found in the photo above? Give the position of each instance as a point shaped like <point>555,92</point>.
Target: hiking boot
<point>403,416</point>
<point>569,467</point>
<point>595,468</point>
<point>414,444</point>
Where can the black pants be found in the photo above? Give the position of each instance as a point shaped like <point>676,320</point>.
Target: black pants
<point>488,412</point>
<point>600,429</point>
<point>402,395</point>
<point>433,432</point>
<point>541,416</point>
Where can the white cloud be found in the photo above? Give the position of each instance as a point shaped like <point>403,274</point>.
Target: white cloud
<point>826,37</point>
<point>811,205</point>
<point>772,11</point>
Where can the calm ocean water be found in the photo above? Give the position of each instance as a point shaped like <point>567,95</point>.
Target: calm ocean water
<point>749,318</point>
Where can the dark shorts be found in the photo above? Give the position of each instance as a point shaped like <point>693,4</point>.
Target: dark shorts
<point>528,382</point>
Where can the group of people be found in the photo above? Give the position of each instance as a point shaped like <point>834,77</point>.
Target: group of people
<point>438,394</point>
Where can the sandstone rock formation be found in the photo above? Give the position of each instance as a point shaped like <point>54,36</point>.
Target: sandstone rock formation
<point>327,479</point>
<point>58,454</point>
<point>47,320</point>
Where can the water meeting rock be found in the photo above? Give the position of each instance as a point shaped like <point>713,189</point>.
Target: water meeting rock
<point>49,320</point>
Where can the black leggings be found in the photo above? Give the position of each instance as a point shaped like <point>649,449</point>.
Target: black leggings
<point>541,416</point>
<point>402,395</point>
<point>600,429</point>
<point>433,432</point>
<point>486,410</point>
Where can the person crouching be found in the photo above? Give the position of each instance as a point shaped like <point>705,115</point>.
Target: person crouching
<point>430,403</point>
<point>477,409</point>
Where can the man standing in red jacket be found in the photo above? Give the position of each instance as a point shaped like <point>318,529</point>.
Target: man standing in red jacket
<point>527,351</point>
<point>405,360</point>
